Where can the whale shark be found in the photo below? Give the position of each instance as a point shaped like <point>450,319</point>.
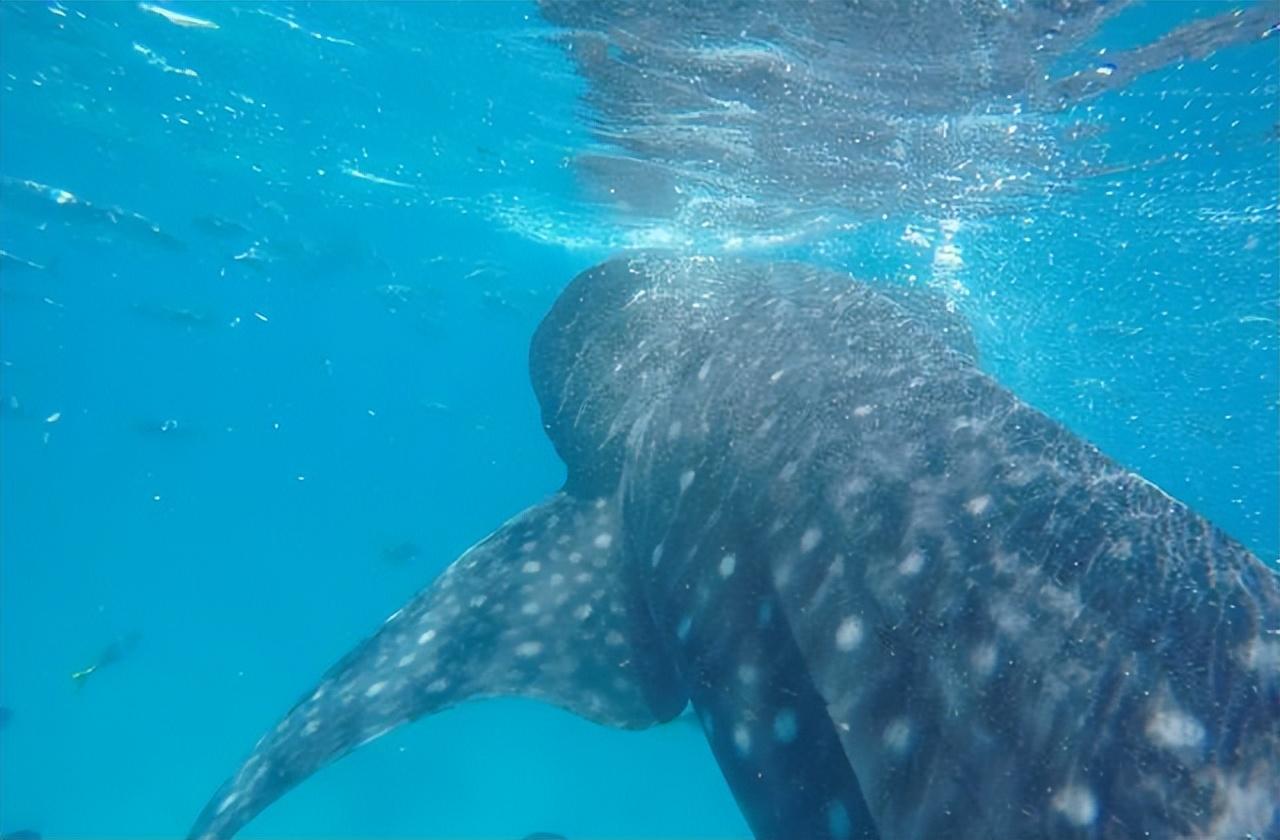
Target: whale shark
<point>901,602</point>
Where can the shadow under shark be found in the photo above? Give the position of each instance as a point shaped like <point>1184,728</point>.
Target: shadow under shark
<point>903,603</point>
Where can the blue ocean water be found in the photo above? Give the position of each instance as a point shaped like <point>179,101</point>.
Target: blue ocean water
<point>246,423</point>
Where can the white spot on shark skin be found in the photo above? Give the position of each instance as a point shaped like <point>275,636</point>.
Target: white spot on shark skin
<point>437,686</point>
<point>311,728</point>
<point>727,565</point>
<point>686,478</point>
<point>228,802</point>
<point>426,637</point>
<point>682,631</point>
<point>978,505</point>
<point>527,650</point>
<point>657,554</point>
<point>674,430</point>
<point>1261,655</point>
<point>613,638</point>
<point>855,486</point>
<point>583,612</point>
<point>742,739</point>
<point>531,608</point>
<point>531,568</point>
<point>809,540</point>
<point>983,659</point>
<point>912,563</point>
<point>748,674</point>
<point>777,374</point>
<point>1077,804</point>
<point>784,726</point>
<point>788,470</point>
<point>1005,562</point>
<point>897,735</point>
<point>1242,802</point>
<point>704,370</point>
<point>862,410</point>
<point>557,579</point>
<point>838,823</point>
<point>603,540</point>
<point>1008,618</point>
<point>1064,602</point>
<point>1122,549</point>
<point>529,547</point>
<point>407,660</point>
<point>1174,729</point>
<point>575,557</point>
<point>375,689</point>
<point>849,634</point>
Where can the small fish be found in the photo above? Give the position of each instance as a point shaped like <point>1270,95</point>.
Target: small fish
<point>173,314</point>
<point>401,553</point>
<point>437,407</point>
<point>44,201</point>
<point>10,261</point>
<point>220,227</point>
<point>177,18</point>
<point>21,834</point>
<point>253,258</point>
<point>168,426</point>
<point>110,655</point>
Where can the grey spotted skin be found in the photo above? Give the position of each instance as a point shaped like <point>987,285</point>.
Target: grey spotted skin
<point>902,603</point>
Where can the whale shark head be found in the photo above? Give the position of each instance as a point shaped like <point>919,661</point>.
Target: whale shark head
<point>623,331</point>
<point>603,348</point>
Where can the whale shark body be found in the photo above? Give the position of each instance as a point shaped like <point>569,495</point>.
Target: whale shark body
<point>902,603</point>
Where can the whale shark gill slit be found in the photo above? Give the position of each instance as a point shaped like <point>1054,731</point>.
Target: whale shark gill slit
<point>541,609</point>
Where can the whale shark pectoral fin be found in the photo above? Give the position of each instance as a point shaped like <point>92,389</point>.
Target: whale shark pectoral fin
<point>541,608</point>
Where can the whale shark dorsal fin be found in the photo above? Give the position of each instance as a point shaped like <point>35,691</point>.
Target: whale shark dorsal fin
<point>541,608</point>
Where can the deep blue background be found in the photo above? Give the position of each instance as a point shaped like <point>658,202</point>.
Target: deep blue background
<point>247,544</point>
